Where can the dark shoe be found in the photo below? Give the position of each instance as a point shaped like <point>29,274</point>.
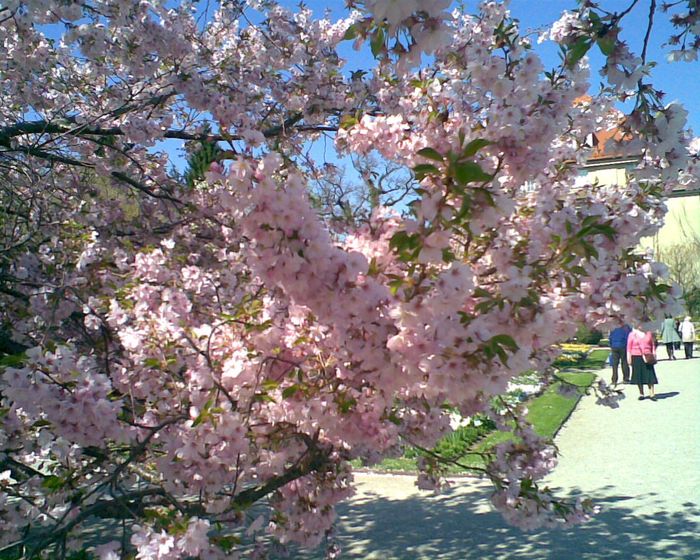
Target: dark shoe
<point>652,399</point>
<point>641,398</point>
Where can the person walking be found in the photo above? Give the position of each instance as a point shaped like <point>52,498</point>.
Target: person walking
<point>641,356</point>
<point>688,337</point>
<point>618,350</point>
<point>669,336</point>
<point>677,323</point>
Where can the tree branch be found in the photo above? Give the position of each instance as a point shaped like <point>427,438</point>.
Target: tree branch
<point>652,9</point>
<point>46,127</point>
<point>123,177</point>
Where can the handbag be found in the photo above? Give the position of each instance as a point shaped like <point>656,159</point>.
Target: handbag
<point>649,358</point>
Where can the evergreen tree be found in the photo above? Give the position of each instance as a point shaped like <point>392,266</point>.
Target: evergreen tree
<point>199,161</point>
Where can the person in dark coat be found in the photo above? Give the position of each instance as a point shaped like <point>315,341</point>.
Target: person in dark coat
<point>618,350</point>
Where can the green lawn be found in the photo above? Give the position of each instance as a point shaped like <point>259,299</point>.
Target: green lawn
<point>546,412</point>
<point>550,410</point>
<point>597,359</point>
<point>393,464</point>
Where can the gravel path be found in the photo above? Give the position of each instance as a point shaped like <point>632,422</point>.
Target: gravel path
<point>640,462</point>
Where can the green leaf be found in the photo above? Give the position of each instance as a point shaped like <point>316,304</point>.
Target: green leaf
<point>464,317</point>
<point>469,172</point>
<point>290,391</point>
<point>504,340</point>
<point>205,413</point>
<point>301,340</point>
<point>152,363</point>
<point>430,153</point>
<point>474,146</point>
<point>269,385</point>
<point>394,419</point>
<point>377,42</point>
<point>13,360</point>
<point>406,246</point>
<point>481,292</point>
<point>53,483</point>
<point>577,51</point>
<point>422,170</point>
<point>607,230</point>
<point>345,403</point>
<point>398,240</point>
<point>350,32</point>
<point>395,286</point>
<point>448,256</point>
<point>591,251</point>
<point>263,397</point>
<point>606,45</point>
<point>348,121</point>
<point>226,542</point>
<point>484,306</point>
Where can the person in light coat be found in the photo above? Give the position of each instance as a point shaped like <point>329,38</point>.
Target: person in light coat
<point>688,337</point>
<point>669,335</point>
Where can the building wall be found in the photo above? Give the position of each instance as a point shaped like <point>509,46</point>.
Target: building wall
<point>682,223</point>
<point>605,175</point>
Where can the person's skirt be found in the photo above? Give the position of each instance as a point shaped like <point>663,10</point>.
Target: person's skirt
<point>643,373</point>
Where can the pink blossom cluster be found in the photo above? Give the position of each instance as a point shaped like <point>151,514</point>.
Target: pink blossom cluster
<point>68,392</point>
<point>518,467</point>
<point>152,545</point>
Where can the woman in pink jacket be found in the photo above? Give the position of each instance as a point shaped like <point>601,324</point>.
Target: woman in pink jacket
<point>641,355</point>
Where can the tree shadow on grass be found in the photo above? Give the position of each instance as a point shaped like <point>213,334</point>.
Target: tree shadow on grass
<point>454,526</point>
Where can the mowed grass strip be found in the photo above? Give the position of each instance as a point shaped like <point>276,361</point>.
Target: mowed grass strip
<point>596,359</point>
<point>546,412</point>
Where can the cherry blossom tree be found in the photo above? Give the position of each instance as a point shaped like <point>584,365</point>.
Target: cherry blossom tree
<point>200,360</point>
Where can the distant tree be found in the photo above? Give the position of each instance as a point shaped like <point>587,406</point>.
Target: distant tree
<point>348,194</point>
<point>204,152</point>
<point>683,261</point>
<point>692,301</point>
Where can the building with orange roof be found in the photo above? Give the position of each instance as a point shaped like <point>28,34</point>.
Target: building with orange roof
<point>614,154</point>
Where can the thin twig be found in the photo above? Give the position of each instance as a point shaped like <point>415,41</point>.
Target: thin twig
<point>652,9</point>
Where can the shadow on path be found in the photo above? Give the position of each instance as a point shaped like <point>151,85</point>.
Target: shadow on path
<point>640,462</point>
<point>667,395</point>
<point>453,526</point>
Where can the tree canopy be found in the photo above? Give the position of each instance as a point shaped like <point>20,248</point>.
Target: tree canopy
<point>199,358</point>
